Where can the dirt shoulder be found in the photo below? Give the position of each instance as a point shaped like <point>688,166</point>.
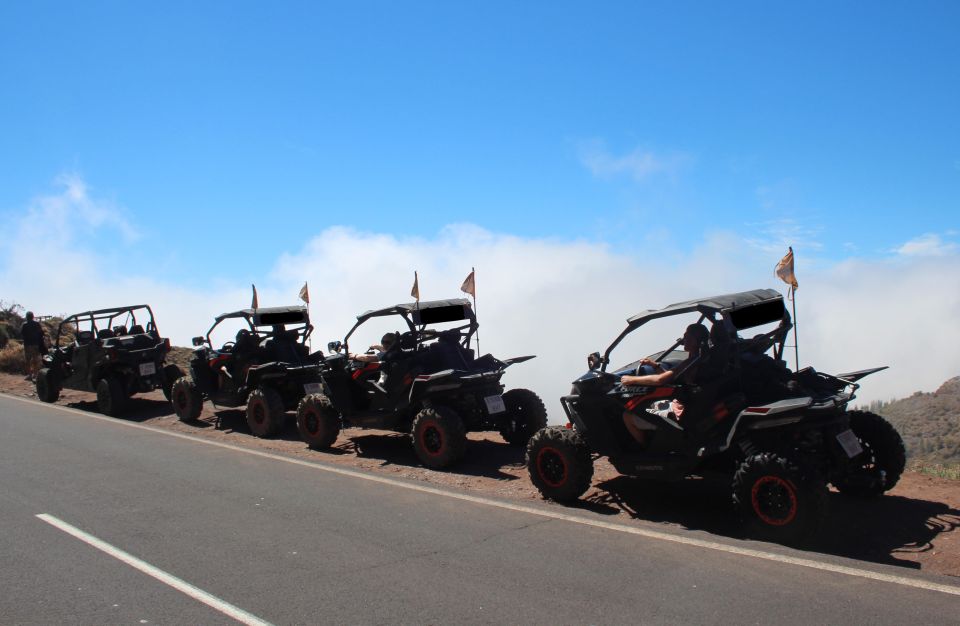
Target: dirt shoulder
<point>914,526</point>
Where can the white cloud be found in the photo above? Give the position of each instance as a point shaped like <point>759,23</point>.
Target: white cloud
<point>558,299</point>
<point>639,164</point>
<point>928,245</point>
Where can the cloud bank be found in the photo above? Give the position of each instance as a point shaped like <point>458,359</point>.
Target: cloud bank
<point>558,299</point>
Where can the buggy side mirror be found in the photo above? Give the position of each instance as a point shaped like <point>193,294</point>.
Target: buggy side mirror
<point>334,346</point>
<point>197,341</point>
<point>593,360</point>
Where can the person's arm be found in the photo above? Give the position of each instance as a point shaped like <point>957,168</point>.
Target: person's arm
<point>650,380</point>
<point>366,358</point>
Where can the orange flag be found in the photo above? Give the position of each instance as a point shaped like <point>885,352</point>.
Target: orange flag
<point>305,294</point>
<point>415,292</point>
<point>470,284</point>
<point>784,270</point>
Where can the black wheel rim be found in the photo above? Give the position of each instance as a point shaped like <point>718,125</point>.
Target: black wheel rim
<point>552,467</point>
<point>312,423</point>
<point>258,414</point>
<point>774,500</point>
<point>432,439</point>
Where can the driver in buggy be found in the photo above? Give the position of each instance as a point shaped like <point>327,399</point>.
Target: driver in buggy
<point>377,351</point>
<point>694,343</point>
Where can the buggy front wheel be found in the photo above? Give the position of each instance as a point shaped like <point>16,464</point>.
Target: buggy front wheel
<point>171,374</point>
<point>559,464</point>
<point>439,437</point>
<point>111,396</point>
<point>778,500</point>
<point>48,387</point>
<point>317,421</point>
<point>264,412</point>
<point>186,399</point>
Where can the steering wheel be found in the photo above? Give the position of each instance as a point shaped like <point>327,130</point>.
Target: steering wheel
<point>228,346</point>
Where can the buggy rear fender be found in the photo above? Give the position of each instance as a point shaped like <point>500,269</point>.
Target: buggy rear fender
<point>855,376</point>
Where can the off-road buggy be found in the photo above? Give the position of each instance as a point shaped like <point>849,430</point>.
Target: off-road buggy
<point>112,352</point>
<point>429,384</point>
<point>267,367</point>
<point>779,436</point>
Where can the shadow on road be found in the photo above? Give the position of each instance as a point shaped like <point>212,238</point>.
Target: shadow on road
<point>137,409</point>
<point>875,530</point>
<point>483,457</point>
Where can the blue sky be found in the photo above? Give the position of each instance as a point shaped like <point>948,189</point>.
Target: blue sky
<point>634,153</point>
<point>613,122</point>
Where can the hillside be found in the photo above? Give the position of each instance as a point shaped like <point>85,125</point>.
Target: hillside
<point>928,422</point>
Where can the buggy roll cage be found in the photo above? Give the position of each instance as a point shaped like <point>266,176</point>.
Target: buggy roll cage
<point>738,311</point>
<point>418,315</point>
<point>269,316</point>
<point>99,315</point>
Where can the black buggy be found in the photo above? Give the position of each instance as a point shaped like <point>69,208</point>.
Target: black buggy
<point>267,367</point>
<point>779,436</point>
<point>112,352</point>
<point>429,384</point>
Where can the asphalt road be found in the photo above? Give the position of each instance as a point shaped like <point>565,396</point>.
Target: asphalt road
<point>291,543</point>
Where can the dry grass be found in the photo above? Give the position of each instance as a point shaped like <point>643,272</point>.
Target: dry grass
<point>11,359</point>
<point>939,470</point>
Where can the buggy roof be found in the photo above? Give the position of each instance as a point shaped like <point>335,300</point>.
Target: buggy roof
<point>713,304</point>
<point>404,309</point>
<point>116,311</point>
<point>258,313</point>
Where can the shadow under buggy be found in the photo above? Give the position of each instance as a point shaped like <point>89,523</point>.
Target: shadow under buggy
<point>429,383</point>
<point>114,353</point>
<point>268,368</point>
<point>735,411</point>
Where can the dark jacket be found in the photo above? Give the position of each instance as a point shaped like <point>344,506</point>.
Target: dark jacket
<point>32,333</point>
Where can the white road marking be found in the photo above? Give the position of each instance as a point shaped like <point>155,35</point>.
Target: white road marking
<point>168,579</point>
<point>540,512</point>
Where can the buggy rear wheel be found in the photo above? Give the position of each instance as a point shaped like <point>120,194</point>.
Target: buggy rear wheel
<point>265,412</point>
<point>48,387</point>
<point>526,414</point>
<point>186,399</point>
<point>111,396</point>
<point>559,464</point>
<point>777,500</point>
<point>317,421</point>
<point>171,374</point>
<point>878,468</point>
<point>439,437</point>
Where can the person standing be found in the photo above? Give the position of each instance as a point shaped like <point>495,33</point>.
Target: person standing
<point>32,334</point>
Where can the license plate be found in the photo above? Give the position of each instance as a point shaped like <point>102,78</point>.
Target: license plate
<point>495,404</point>
<point>850,444</point>
<point>148,369</point>
<point>313,388</point>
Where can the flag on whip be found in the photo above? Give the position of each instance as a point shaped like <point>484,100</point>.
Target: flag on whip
<point>470,284</point>
<point>305,293</point>
<point>784,270</point>
<point>415,292</point>
<point>255,303</point>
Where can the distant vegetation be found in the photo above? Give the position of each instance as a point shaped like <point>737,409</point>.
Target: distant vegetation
<point>929,424</point>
